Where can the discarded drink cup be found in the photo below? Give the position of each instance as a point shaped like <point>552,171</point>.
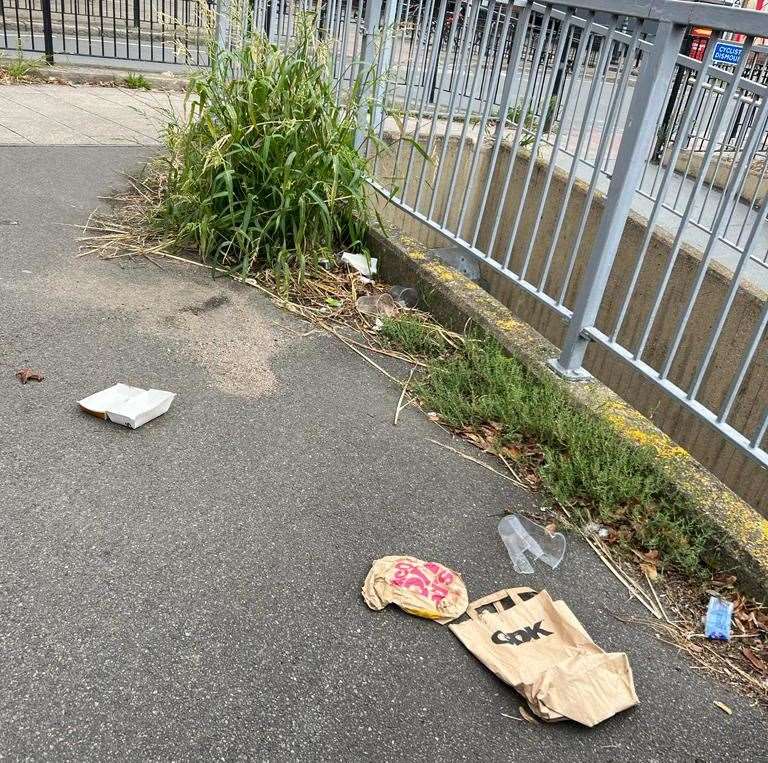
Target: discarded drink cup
<point>377,306</point>
<point>405,296</point>
<point>524,538</point>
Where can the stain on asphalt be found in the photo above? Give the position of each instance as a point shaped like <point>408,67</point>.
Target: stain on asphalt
<point>219,300</point>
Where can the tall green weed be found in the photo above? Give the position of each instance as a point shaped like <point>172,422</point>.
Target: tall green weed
<point>263,172</point>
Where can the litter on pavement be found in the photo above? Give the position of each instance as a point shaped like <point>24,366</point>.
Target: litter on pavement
<point>359,262</point>
<point>521,537</point>
<point>537,646</point>
<point>424,589</point>
<point>404,296</point>
<point>717,624</point>
<point>377,305</point>
<point>29,374</point>
<point>594,528</point>
<point>129,406</point>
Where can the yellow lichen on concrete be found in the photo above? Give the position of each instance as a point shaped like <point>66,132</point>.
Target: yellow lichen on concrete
<point>443,272</point>
<point>663,446</point>
<point>747,525</point>
<point>417,253</point>
<point>512,326</point>
<point>628,422</point>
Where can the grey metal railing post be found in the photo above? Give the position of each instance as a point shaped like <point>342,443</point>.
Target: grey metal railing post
<point>521,31</point>
<point>223,21</point>
<point>391,9</point>
<point>274,22</point>
<point>639,133</point>
<point>366,72</point>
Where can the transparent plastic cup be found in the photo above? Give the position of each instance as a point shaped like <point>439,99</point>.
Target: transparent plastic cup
<point>405,296</point>
<point>526,542</point>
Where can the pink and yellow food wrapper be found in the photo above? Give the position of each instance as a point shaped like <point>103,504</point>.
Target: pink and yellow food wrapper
<point>424,589</point>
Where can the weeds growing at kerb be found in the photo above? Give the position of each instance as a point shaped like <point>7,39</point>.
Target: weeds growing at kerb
<point>264,172</point>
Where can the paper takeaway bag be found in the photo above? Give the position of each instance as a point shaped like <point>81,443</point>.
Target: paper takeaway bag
<point>424,589</point>
<point>539,647</point>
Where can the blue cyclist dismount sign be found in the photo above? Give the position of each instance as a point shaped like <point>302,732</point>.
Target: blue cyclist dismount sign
<point>727,53</point>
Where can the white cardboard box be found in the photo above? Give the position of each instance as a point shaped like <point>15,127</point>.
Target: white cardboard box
<point>128,406</point>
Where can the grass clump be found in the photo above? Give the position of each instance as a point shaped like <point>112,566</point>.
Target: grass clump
<point>413,336</point>
<point>264,171</point>
<point>587,466</point>
<point>18,69</point>
<point>136,82</point>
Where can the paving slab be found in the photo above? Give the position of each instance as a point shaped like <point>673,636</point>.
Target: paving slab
<point>83,115</point>
<point>190,590</point>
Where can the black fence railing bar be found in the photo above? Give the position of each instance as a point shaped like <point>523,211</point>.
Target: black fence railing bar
<point>162,31</point>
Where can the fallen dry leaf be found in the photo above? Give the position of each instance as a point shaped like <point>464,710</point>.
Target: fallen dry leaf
<point>28,374</point>
<point>551,528</point>
<point>754,660</point>
<point>650,570</point>
<point>723,707</point>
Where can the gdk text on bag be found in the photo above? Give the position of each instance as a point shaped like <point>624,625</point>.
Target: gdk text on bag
<point>538,646</point>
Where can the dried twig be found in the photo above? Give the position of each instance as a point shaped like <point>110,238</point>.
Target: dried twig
<point>526,716</point>
<point>622,578</point>
<point>656,598</point>
<point>478,461</point>
<point>301,334</point>
<point>352,347</point>
<point>512,471</point>
<point>400,405</point>
<point>389,353</point>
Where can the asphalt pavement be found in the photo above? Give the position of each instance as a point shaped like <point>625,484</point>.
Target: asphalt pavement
<point>191,590</point>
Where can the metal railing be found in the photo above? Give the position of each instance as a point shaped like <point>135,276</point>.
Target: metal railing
<point>162,31</point>
<point>133,10</point>
<point>542,153</point>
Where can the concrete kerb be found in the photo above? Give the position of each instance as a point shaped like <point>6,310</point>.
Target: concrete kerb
<point>456,301</point>
<point>729,464</point>
<point>97,75</point>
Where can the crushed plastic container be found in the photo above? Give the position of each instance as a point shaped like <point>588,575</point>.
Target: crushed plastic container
<point>525,539</point>
<point>365,266</point>
<point>128,406</point>
<point>405,296</point>
<point>717,625</point>
<point>377,305</point>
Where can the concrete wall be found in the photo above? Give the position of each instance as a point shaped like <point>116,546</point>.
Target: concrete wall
<point>728,463</point>
<point>754,187</point>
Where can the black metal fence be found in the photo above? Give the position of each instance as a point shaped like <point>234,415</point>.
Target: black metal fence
<point>162,31</point>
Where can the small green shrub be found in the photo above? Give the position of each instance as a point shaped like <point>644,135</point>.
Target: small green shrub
<point>586,463</point>
<point>530,123</point>
<point>413,336</point>
<point>264,171</point>
<point>136,82</point>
